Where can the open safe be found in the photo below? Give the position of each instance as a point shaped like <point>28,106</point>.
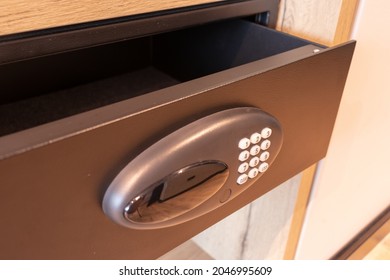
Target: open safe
<point>122,138</point>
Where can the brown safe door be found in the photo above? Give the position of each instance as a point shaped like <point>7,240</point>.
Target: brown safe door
<point>73,116</point>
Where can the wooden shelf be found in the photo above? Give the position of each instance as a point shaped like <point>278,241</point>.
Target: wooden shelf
<point>18,16</point>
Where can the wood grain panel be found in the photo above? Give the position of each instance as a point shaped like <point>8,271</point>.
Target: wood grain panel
<point>299,211</point>
<point>377,247</point>
<point>310,19</point>
<point>382,250</point>
<point>346,18</point>
<point>20,15</point>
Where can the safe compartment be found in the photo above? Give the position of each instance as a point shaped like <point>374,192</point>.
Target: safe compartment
<point>44,89</point>
<point>72,120</point>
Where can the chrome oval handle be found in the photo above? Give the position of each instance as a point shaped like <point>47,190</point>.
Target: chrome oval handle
<point>194,170</point>
<point>178,193</point>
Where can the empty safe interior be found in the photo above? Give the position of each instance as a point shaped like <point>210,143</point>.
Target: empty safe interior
<point>44,89</point>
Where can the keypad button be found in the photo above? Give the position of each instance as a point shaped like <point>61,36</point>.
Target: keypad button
<point>255,150</point>
<point>255,138</point>
<point>254,162</point>
<point>266,132</point>
<point>244,155</point>
<point>243,167</point>
<point>242,179</point>
<point>265,144</point>
<point>263,167</point>
<point>264,156</point>
<point>244,143</point>
<point>253,173</point>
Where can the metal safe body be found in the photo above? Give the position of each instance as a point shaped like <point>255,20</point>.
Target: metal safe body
<point>75,114</point>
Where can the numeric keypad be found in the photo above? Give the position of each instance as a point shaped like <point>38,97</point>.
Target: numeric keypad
<point>253,155</point>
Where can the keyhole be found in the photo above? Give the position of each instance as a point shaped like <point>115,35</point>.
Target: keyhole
<point>191,178</point>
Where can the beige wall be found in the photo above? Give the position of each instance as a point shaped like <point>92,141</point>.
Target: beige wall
<point>353,182</point>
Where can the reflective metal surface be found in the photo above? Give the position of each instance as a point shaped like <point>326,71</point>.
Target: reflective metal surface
<point>177,193</point>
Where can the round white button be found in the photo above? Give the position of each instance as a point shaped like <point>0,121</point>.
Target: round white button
<point>243,167</point>
<point>253,173</point>
<point>254,162</point>
<point>255,150</point>
<point>244,143</point>
<point>265,144</point>
<point>244,155</point>
<point>263,167</point>
<point>242,179</point>
<point>266,132</point>
<point>255,138</point>
<point>264,156</point>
